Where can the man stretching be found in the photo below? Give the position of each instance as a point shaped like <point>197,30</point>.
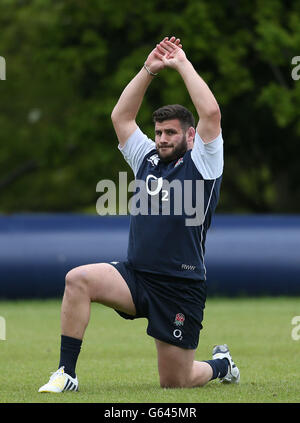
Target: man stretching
<point>164,276</point>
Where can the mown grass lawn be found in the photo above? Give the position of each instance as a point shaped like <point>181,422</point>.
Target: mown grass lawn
<point>117,363</point>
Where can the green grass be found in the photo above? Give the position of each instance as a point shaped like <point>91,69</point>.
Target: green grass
<point>117,363</point>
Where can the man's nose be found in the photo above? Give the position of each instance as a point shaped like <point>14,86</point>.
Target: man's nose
<point>163,138</point>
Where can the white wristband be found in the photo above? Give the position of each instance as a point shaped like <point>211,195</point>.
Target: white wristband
<point>149,71</point>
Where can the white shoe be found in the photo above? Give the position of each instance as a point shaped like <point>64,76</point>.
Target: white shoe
<point>233,374</point>
<point>59,382</point>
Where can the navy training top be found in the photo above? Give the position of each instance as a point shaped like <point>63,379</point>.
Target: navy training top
<point>172,206</point>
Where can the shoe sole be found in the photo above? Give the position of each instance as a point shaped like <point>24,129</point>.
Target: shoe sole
<point>221,355</point>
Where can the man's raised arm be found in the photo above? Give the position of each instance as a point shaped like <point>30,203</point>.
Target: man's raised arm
<point>202,97</point>
<point>125,111</point>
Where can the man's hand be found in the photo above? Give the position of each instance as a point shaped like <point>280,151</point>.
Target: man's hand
<point>203,99</point>
<point>156,61</point>
<point>170,53</point>
<point>125,111</point>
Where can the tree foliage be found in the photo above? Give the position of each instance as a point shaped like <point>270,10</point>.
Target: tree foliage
<point>68,61</point>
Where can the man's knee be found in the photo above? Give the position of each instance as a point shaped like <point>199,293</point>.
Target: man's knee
<point>173,381</point>
<point>175,365</point>
<point>77,279</point>
<point>89,280</point>
<point>187,380</point>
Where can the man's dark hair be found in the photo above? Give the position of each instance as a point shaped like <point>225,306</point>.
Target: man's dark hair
<point>175,111</point>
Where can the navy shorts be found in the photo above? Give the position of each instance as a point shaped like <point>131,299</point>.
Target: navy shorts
<point>174,307</point>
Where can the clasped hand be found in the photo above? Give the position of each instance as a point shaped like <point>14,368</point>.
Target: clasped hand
<point>168,53</point>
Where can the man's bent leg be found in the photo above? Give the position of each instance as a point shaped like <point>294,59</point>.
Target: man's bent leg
<point>99,282</point>
<point>94,282</point>
<point>178,369</point>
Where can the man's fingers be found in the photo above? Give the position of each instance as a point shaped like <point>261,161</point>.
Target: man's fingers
<point>161,49</point>
<point>173,40</point>
<point>165,39</point>
<point>170,45</point>
<point>158,55</point>
<point>167,46</point>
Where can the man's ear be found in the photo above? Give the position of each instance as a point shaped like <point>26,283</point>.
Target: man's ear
<point>190,135</point>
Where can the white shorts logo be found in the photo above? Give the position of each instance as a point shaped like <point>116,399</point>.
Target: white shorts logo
<point>178,334</point>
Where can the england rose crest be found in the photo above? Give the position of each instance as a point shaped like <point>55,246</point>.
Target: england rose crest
<point>179,319</point>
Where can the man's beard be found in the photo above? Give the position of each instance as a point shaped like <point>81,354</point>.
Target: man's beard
<point>172,153</point>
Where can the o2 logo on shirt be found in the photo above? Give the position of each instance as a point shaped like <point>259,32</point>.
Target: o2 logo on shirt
<point>180,198</point>
<point>158,188</point>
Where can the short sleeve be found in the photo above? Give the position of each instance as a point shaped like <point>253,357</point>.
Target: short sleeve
<point>136,148</point>
<point>208,157</point>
